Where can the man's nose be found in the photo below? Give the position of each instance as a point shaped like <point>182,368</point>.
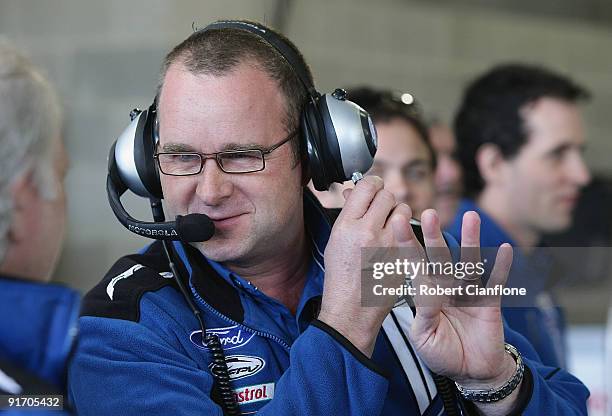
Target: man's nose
<point>213,184</point>
<point>397,184</point>
<point>579,171</point>
<point>448,171</point>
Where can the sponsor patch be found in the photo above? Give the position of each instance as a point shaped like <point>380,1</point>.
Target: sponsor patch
<point>256,393</point>
<point>230,337</point>
<point>242,366</point>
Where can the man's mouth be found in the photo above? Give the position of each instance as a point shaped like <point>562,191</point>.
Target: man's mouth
<point>225,220</point>
<point>448,192</point>
<point>222,217</point>
<point>570,200</point>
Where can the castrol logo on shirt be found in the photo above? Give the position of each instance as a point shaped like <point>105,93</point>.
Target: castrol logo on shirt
<point>255,393</point>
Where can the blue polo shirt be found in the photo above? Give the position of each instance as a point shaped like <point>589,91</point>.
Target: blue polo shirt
<point>137,353</point>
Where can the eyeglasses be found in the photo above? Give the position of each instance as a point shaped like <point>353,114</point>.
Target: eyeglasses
<point>232,161</point>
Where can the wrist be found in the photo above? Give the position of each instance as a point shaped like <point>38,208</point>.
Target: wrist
<point>496,390</point>
<point>507,370</point>
<point>361,336</point>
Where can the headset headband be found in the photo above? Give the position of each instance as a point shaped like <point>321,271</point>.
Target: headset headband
<point>277,43</point>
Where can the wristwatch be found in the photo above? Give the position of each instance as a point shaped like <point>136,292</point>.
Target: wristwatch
<point>496,394</point>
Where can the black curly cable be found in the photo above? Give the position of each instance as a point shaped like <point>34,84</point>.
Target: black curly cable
<point>447,392</point>
<point>211,341</point>
<point>221,375</point>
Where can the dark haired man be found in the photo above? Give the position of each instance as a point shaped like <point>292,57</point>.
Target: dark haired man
<point>521,136</point>
<point>297,339</point>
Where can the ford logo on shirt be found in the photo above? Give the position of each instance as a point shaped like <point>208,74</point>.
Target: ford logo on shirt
<point>230,337</point>
<point>241,366</point>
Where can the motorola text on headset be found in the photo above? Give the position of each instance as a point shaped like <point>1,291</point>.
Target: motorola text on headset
<point>337,135</point>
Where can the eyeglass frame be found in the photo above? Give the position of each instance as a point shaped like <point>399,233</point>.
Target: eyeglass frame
<point>215,155</point>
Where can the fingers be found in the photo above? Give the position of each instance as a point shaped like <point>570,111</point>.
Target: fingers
<point>470,230</point>
<point>437,250</point>
<point>430,223</point>
<point>470,238</point>
<point>359,199</point>
<point>501,268</point>
<point>399,221</point>
<point>381,206</point>
<point>369,201</point>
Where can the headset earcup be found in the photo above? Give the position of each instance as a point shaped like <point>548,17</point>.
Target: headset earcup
<point>350,137</point>
<point>331,153</point>
<point>144,152</point>
<point>340,139</point>
<point>311,133</point>
<point>134,151</point>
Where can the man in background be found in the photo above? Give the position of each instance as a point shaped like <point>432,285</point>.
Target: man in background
<point>37,319</point>
<point>404,158</point>
<point>448,171</point>
<point>520,137</point>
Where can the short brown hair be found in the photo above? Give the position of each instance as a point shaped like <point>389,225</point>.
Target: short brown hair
<point>490,112</point>
<point>218,51</point>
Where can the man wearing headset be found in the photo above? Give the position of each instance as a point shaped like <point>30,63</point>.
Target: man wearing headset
<point>37,319</point>
<point>276,283</point>
<point>521,137</point>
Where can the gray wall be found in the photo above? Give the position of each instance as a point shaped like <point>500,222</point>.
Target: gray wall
<point>104,57</point>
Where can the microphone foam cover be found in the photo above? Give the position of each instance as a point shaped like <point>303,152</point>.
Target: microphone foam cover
<point>194,227</point>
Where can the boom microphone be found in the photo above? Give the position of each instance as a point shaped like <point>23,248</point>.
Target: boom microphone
<point>188,228</point>
<point>194,227</point>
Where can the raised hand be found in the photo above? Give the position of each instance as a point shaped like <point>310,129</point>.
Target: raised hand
<point>370,218</point>
<point>465,343</point>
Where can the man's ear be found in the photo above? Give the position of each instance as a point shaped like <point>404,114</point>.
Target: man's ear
<point>491,163</point>
<point>24,194</point>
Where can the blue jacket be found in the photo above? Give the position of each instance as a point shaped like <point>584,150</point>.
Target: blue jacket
<point>138,352</point>
<point>37,329</point>
<point>536,317</point>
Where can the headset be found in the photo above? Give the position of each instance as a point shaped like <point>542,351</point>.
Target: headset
<point>338,143</point>
<point>338,138</point>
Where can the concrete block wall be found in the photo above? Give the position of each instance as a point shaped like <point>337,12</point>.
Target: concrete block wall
<point>105,56</point>
<point>433,51</point>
